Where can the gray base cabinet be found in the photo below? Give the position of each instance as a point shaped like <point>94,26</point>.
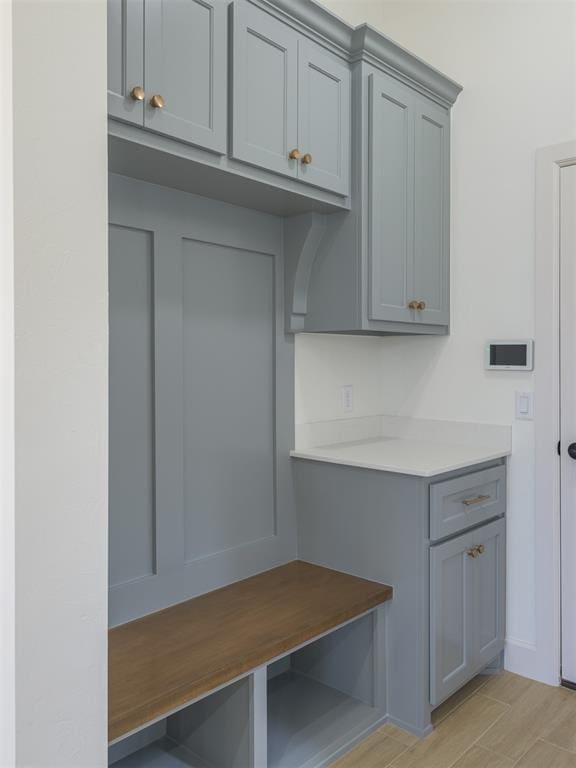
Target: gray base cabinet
<point>446,621</point>
<point>467,607</point>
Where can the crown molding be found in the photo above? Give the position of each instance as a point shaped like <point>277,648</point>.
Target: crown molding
<point>363,43</point>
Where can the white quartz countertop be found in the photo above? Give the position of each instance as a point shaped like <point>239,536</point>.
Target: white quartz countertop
<point>408,446</point>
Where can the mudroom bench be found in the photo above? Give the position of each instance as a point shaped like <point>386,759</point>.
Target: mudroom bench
<point>285,668</point>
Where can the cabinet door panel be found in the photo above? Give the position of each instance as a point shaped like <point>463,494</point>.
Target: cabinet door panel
<point>324,118</point>
<point>431,210</point>
<point>451,617</point>
<point>186,64</point>
<point>125,58</point>
<point>490,592</point>
<point>391,195</point>
<point>264,90</point>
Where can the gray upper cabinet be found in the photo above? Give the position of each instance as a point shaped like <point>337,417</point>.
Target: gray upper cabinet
<point>431,284</point>
<point>409,205</point>
<point>467,607</point>
<point>323,119</point>
<point>391,199</point>
<point>265,90</point>
<point>291,102</point>
<point>126,60</point>
<point>167,68</point>
<point>384,267</point>
<point>185,55</point>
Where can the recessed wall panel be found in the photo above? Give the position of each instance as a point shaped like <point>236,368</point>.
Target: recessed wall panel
<point>229,409</point>
<point>131,449</point>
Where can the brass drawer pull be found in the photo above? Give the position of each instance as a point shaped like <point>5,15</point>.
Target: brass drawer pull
<point>476,500</point>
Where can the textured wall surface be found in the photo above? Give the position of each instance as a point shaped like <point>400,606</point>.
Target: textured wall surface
<point>60,175</point>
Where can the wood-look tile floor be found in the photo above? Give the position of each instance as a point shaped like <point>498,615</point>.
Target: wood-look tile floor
<point>493,722</point>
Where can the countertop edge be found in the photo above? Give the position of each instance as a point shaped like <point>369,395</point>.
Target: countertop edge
<point>399,470</point>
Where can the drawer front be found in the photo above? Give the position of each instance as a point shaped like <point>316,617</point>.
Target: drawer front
<point>456,505</point>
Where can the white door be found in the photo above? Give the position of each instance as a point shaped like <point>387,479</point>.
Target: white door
<point>568,416</point>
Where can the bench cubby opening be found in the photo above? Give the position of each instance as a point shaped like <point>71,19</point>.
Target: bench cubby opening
<point>215,732</point>
<point>325,696</point>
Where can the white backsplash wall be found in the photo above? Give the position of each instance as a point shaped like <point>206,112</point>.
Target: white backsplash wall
<point>324,364</point>
<point>506,55</point>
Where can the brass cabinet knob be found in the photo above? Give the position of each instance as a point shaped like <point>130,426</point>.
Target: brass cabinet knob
<point>157,101</point>
<point>307,159</point>
<point>137,93</point>
<point>472,552</point>
<point>295,154</point>
<point>421,305</point>
<point>477,549</point>
<point>413,304</point>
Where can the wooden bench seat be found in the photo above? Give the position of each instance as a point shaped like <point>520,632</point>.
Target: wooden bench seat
<point>167,659</point>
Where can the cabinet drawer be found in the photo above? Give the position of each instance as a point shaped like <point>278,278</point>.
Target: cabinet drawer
<point>456,505</point>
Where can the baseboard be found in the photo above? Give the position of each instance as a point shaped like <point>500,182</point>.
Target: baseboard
<point>523,658</point>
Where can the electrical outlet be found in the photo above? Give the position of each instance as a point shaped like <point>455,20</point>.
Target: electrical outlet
<point>347,398</point>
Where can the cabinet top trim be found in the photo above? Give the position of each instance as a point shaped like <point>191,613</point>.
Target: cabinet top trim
<point>363,43</point>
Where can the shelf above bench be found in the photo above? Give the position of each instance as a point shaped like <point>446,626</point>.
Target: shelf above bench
<point>163,661</point>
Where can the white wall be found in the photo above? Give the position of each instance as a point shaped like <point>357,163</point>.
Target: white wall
<point>516,62</point>
<point>7,583</point>
<point>61,382</point>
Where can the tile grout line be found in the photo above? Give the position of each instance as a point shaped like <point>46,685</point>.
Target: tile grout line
<point>552,744</point>
<point>457,707</point>
<point>475,742</point>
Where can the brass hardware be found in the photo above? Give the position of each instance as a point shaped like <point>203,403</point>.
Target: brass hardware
<point>157,101</point>
<point>137,93</point>
<point>307,159</point>
<point>295,154</point>
<point>476,500</point>
<point>481,549</point>
<point>421,305</point>
<point>472,552</point>
<point>413,305</point>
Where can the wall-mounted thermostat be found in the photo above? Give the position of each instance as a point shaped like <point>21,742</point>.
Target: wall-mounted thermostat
<point>515,355</point>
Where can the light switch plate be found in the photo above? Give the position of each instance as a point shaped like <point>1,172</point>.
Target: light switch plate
<point>525,406</point>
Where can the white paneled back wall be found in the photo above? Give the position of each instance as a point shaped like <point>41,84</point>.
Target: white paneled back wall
<point>504,54</point>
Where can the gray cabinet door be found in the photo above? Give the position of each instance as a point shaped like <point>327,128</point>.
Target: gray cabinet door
<point>391,199</point>
<point>490,597</point>
<point>324,118</point>
<point>185,47</point>
<point>265,88</point>
<point>467,607</point>
<point>125,59</point>
<point>451,617</point>
<point>432,212</point>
